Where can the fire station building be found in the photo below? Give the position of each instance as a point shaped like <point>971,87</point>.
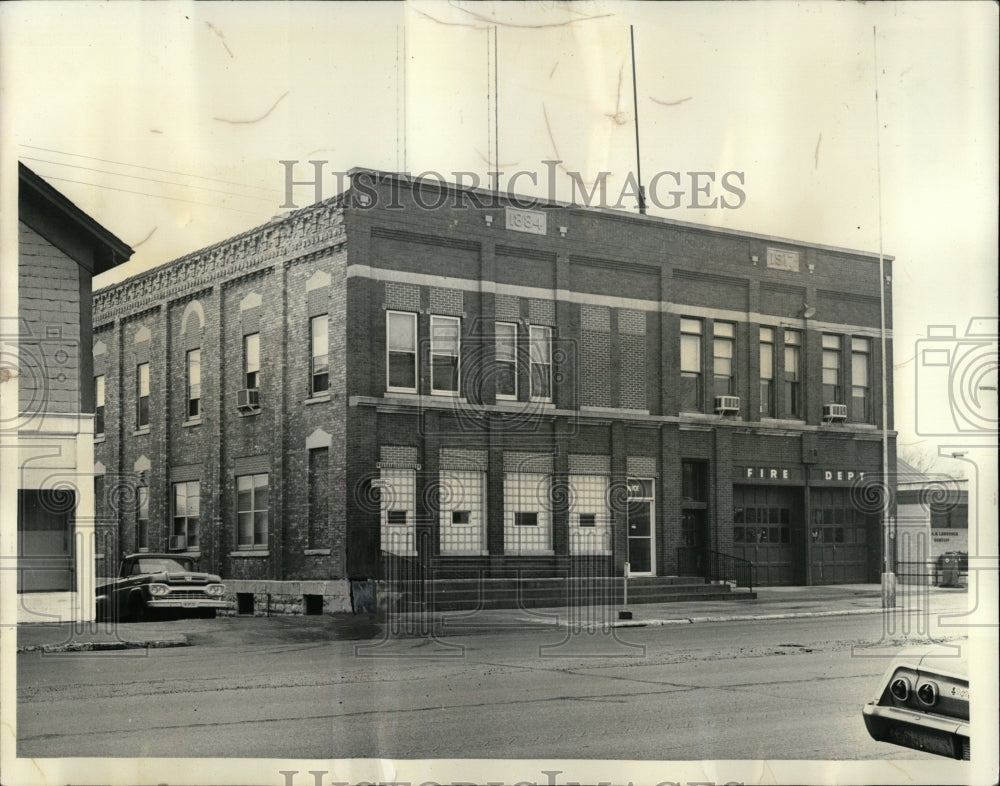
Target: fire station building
<point>490,385</point>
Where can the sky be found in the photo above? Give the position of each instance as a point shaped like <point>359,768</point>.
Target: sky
<point>167,122</point>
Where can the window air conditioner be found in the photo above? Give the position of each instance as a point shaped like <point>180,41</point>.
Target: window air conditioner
<point>727,405</point>
<point>248,399</point>
<point>178,542</point>
<point>834,413</point>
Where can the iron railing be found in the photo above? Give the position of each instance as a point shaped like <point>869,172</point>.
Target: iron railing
<point>726,567</point>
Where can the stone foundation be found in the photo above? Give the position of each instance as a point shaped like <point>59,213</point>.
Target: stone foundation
<point>286,597</point>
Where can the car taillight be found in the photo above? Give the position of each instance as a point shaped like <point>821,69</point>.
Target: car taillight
<point>158,589</point>
<point>900,688</point>
<point>215,589</point>
<point>927,693</point>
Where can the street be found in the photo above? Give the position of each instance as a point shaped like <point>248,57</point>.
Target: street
<point>294,688</point>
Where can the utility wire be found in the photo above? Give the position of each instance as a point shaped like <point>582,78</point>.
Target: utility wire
<point>140,177</point>
<point>150,168</point>
<point>154,196</point>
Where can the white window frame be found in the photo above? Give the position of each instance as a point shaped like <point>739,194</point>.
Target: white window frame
<point>315,336</point>
<point>99,394</point>
<point>416,362</point>
<point>141,393</point>
<point>693,329</point>
<point>191,394</point>
<point>187,486</point>
<point>249,339</point>
<point>253,511</point>
<point>513,359</point>
<point>436,320</point>
<point>724,338</point>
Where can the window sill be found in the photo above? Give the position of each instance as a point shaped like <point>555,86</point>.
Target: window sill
<point>140,431</point>
<point>249,553</point>
<point>249,413</point>
<point>406,392</point>
<point>317,552</point>
<point>532,553</point>
<point>318,399</point>
<point>99,438</point>
<point>191,422</point>
<point>465,553</point>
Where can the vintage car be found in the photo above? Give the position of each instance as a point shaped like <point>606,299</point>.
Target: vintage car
<point>922,702</point>
<point>149,584</point>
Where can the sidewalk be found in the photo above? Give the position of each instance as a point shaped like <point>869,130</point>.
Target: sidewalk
<point>771,603</point>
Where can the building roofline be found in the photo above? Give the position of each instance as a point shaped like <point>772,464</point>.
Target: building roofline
<point>523,201</point>
<point>36,186</point>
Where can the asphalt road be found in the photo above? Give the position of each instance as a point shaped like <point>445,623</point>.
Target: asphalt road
<point>249,688</point>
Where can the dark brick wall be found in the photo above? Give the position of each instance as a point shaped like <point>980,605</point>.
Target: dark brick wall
<point>627,367</point>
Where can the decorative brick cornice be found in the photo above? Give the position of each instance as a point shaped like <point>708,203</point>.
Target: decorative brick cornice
<point>306,231</point>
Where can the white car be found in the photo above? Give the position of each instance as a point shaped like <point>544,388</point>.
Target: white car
<point>922,702</point>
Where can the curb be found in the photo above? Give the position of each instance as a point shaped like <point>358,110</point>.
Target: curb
<point>100,646</point>
<point>740,618</point>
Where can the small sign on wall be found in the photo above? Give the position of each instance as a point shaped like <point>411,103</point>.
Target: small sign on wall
<point>533,221</point>
<point>781,259</point>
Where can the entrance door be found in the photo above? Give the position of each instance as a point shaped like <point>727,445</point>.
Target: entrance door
<point>691,554</point>
<point>838,537</point>
<point>767,527</point>
<point>640,527</point>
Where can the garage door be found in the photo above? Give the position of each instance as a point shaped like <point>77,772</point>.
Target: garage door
<point>767,530</point>
<point>838,538</point>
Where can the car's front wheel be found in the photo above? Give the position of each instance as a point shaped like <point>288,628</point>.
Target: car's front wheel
<point>138,611</point>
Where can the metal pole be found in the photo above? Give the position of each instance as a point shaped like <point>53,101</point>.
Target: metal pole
<point>635,109</point>
<point>888,574</point>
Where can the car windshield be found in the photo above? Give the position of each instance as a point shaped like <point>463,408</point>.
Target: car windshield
<point>160,565</point>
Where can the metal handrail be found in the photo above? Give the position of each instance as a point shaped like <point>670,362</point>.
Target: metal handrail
<point>726,567</point>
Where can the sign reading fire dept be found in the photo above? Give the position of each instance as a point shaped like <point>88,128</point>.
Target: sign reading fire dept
<point>532,221</point>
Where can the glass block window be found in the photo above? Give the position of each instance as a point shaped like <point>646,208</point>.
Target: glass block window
<point>462,511</point>
<point>397,495</point>
<point>527,521</point>
<point>589,515</point>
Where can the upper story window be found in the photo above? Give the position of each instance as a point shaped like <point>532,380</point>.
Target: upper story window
<point>251,511</point>
<point>446,339</point>
<point>142,395</point>
<point>186,512</point>
<point>142,519</point>
<point>401,351</point>
<point>540,341</point>
<point>691,398</point>
<point>861,409</point>
<point>99,405</point>
<point>319,357</point>
<point>723,353</point>
<point>193,384</point>
<point>767,372</point>
<point>251,361</point>
<point>506,360</point>
<point>832,349</point>
<point>793,373</point>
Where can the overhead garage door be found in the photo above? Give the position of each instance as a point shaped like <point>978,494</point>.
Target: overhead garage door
<point>838,538</point>
<point>767,530</point>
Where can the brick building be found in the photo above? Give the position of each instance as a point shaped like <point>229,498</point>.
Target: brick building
<point>60,248</point>
<point>440,374</point>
